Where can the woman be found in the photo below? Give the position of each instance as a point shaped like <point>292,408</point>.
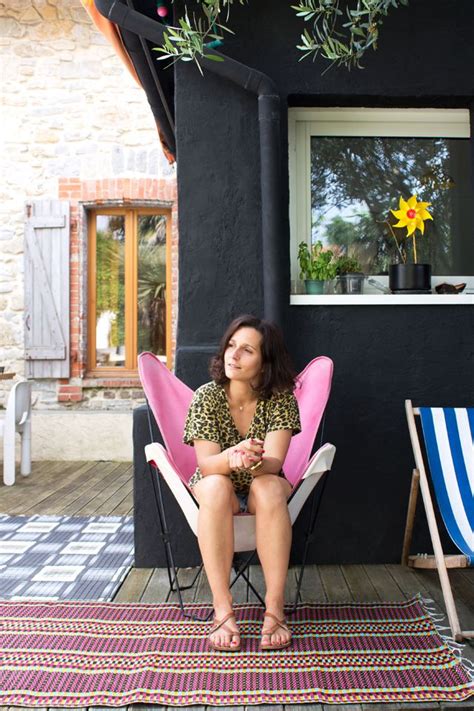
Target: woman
<point>241,424</point>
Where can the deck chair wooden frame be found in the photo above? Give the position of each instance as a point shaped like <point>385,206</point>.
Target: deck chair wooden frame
<point>439,561</point>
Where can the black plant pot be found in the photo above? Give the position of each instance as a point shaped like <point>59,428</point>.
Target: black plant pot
<point>410,278</point>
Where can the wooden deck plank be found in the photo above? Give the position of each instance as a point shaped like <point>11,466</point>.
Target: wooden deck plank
<point>125,505</point>
<point>98,504</point>
<point>66,490</point>
<point>290,586</point>
<point>257,580</point>
<point>384,584</point>
<point>57,477</point>
<point>31,503</point>
<point>186,576</point>
<point>467,574</point>
<point>239,590</point>
<point>98,484</point>
<point>30,491</point>
<point>38,469</point>
<point>203,592</point>
<point>100,488</point>
<point>334,583</point>
<point>157,588</point>
<point>359,583</point>
<point>462,587</point>
<point>134,585</point>
<point>312,588</point>
<point>407,580</point>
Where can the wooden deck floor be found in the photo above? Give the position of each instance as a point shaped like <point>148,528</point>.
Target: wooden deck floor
<point>105,488</point>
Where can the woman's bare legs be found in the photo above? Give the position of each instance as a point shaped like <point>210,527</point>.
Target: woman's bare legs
<point>268,501</point>
<point>217,504</point>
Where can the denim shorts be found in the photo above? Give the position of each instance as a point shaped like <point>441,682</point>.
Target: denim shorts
<point>243,502</point>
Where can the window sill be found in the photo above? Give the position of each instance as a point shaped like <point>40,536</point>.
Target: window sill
<point>92,380</point>
<point>382,300</point>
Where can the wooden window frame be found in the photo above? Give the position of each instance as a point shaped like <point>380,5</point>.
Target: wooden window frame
<point>131,215</point>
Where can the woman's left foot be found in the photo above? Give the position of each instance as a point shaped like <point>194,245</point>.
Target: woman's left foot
<point>275,635</point>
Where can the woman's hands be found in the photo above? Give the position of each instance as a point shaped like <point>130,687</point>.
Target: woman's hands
<point>245,454</point>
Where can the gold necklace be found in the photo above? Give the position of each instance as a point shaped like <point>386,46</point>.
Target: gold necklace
<point>241,407</point>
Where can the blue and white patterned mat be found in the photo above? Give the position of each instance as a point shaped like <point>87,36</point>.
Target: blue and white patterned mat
<point>64,557</point>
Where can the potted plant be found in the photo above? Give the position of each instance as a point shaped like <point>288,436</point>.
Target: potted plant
<point>317,266</point>
<point>349,274</point>
<point>410,277</point>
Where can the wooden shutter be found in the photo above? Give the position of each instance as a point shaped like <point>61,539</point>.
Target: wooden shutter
<point>47,289</point>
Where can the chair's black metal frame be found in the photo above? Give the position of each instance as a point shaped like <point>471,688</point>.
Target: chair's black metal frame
<point>240,563</point>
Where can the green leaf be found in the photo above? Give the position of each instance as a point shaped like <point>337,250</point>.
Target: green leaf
<point>214,57</point>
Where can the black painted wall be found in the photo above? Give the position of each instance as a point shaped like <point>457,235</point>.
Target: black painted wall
<point>382,354</point>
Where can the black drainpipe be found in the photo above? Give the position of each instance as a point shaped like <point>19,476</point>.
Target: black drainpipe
<point>274,284</point>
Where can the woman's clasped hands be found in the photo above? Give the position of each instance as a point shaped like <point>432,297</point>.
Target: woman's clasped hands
<point>246,454</point>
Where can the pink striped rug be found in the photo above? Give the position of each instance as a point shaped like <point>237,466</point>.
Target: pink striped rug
<point>112,654</point>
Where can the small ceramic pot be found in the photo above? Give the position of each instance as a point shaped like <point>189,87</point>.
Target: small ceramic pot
<point>314,286</point>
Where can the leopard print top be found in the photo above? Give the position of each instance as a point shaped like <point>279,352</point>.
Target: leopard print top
<point>209,418</point>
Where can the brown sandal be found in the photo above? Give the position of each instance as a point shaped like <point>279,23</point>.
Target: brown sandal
<point>217,625</point>
<point>278,623</point>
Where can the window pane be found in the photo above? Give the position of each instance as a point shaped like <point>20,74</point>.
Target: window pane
<point>152,284</point>
<point>110,291</point>
<point>356,181</point>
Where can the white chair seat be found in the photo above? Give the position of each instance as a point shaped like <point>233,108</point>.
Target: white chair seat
<point>244,524</point>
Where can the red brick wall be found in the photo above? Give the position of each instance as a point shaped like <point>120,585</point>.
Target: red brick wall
<point>123,192</point>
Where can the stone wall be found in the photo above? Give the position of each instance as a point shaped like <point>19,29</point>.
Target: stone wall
<point>71,112</point>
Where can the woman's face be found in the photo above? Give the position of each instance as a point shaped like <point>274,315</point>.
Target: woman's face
<point>243,355</point>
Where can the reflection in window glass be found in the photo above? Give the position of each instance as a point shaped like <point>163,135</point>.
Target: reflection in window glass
<point>110,291</point>
<point>152,284</point>
<point>355,182</point>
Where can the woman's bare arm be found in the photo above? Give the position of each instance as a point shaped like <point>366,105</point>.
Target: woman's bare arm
<point>275,446</point>
<point>211,460</point>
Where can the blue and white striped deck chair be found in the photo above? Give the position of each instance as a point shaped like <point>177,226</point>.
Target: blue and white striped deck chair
<point>448,434</point>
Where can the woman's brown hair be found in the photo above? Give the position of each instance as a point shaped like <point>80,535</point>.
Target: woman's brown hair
<point>278,373</point>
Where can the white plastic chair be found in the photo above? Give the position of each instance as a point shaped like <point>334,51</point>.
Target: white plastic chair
<point>17,418</point>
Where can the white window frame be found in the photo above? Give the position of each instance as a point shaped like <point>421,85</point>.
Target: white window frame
<point>304,123</point>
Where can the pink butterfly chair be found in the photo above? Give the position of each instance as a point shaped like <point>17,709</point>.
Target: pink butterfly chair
<point>169,400</point>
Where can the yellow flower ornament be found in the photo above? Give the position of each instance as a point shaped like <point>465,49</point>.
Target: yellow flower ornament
<point>412,215</point>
